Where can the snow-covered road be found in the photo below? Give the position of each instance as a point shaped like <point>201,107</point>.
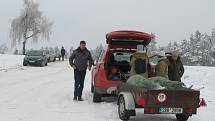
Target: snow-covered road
<point>45,94</point>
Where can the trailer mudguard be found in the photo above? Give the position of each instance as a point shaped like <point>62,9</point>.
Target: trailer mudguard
<point>129,100</point>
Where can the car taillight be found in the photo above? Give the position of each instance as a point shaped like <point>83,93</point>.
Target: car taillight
<point>142,101</point>
<point>202,102</point>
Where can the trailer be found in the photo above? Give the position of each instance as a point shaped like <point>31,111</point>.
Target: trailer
<point>182,103</point>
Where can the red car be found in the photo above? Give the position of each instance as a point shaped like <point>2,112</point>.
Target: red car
<point>113,65</point>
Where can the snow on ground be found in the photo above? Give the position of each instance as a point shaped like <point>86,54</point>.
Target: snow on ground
<point>45,94</point>
<point>10,61</point>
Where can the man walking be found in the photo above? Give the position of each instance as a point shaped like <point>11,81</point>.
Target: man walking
<point>80,59</point>
<point>63,51</point>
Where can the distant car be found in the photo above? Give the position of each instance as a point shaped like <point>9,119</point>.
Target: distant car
<point>35,57</point>
<point>57,55</point>
<point>51,56</point>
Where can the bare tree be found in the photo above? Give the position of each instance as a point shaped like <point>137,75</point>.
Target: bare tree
<point>31,24</point>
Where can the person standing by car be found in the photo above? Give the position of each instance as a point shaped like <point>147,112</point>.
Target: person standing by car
<point>176,67</point>
<point>80,59</point>
<point>139,62</point>
<point>161,68</point>
<point>63,51</point>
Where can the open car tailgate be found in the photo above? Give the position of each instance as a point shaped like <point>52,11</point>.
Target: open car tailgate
<point>126,39</point>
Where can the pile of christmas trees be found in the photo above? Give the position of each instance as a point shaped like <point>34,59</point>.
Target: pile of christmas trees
<point>156,83</point>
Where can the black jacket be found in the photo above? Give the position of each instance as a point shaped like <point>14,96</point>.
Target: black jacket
<point>176,70</point>
<point>63,51</point>
<point>80,59</point>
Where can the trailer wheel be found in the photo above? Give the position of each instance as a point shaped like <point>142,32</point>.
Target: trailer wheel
<point>182,117</point>
<point>24,64</point>
<point>123,113</point>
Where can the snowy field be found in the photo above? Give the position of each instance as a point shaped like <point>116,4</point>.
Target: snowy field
<point>45,94</point>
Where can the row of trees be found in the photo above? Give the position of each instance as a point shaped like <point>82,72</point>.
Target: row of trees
<point>199,49</point>
<point>96,53</point>
<point>31,24</point>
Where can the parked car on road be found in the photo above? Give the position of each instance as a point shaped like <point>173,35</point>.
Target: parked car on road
<point>57,55</point>
<point>51,56</point>
<point>35,57</point>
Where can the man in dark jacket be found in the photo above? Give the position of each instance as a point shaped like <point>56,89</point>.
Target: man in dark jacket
<point>80,59</point>
<point>176,68</point>
<point>63,51</point>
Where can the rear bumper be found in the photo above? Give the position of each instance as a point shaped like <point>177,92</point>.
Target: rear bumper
<point>156,110</point>
<point>106,91</point>
<point>37,62</point>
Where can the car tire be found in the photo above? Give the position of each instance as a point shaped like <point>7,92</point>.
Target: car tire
<point>96,97</point>
<point>42,64</point>
<point>54,60</point>
<point>182,117</point>
<point>25,64</point>
<point>123,113</point>
<point>46,64</point>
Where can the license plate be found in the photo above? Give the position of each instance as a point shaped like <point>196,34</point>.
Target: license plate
<point>32,61</point>
<point>171,110</point>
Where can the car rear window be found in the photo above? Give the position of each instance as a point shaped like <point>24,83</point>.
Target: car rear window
<point>35,53</point>
<point>122,56</point>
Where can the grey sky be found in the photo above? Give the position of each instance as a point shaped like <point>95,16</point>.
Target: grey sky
<point>90,20</point>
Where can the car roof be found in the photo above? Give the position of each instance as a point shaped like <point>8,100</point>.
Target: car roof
<point>35,51</point>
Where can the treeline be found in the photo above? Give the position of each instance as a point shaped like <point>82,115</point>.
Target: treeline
<point>96,53</point>
<point>198,50</point>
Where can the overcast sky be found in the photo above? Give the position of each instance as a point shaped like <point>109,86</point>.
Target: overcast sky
<point>90,20</point>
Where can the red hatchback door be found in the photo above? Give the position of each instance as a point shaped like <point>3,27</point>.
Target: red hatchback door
<point>121,45</point>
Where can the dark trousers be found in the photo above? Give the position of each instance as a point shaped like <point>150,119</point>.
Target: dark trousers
<point>62,57</point>
<point>79,82</point>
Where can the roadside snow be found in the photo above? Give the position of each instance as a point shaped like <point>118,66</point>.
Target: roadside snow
<point>202,77</point>
<point>10,62</point>
<point>45,94</point>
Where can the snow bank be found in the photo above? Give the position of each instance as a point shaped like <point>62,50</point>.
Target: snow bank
<point>10,61</point>
<point>202,78</point>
